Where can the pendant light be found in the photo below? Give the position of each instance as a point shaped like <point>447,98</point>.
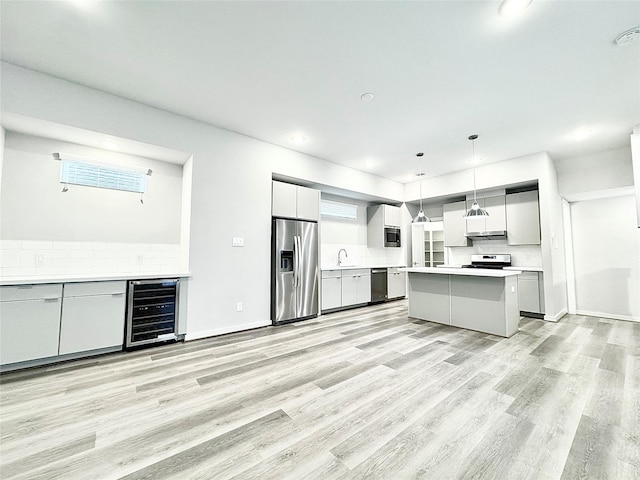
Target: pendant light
<point>421,217</point>
<point>475,210</point>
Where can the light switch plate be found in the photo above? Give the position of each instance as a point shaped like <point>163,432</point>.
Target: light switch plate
<point>237,242</point>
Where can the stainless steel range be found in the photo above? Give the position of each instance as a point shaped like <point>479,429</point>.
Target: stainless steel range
<point>497,261</point>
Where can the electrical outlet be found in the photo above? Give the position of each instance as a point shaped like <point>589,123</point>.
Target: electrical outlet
<point>39,258</point>
<point>239,307</point>
<point>139,259</point>
<point>237,242</point>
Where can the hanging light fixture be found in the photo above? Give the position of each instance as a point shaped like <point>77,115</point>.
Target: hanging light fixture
<point>475,210</point>
<point>421,217</point>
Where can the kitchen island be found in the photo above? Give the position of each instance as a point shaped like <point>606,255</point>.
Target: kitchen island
<point>484,300</point>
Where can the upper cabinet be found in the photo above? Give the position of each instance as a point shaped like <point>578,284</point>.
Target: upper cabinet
<point>380,217</point>
<point>496,221</point>
<point>294,201</point>
<point>523,218</point>
<point>455,224</point>
<point>385,215</point>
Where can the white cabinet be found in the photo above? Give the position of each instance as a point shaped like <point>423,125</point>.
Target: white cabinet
<point>331,289</point>
<point>531,293</point>
<point>396,283</point>
<point>523,218</point>
<point>380,217</point>
<point>392,216</point>
<point>427,246</point>
<point>454,224</point>
<point>294,201</point>
<point>356,286</point>
<point>92,316</point>
<point>307,204</point>
<point>29,322</point>
<point>496,221</point>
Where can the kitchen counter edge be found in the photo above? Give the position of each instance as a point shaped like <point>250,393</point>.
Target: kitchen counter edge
<point>35,280</point>
<point>471,272</point>
<point>355,267</point>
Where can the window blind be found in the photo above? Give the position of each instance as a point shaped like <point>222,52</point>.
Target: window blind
<point>338,210</point>
<point>77,172</point>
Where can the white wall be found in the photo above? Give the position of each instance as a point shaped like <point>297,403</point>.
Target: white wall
<point>45,231</point>
<point>600,171</point>
<point>336,233</point>
<point>2,136</point>
<point>33,207</point>
<point>606,247</point>
<point>635,160</point>
<point>231,189</point>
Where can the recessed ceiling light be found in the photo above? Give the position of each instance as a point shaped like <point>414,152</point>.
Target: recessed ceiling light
<point>630,36</point>
<point>366,97</point>
<point>511,8</point>
<point>83,3</point>
<point>369,163</point>
<point>298,139</point>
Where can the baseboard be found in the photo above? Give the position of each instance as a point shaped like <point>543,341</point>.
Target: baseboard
<point>222,331</point>
<point>41,362</point>
<point>556,317</point>
<point>613,316</point>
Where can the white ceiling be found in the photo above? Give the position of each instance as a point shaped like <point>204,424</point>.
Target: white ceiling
<point>440,71</point>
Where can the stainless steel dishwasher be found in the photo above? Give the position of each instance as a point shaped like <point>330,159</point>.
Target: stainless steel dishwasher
<point>378,285</point>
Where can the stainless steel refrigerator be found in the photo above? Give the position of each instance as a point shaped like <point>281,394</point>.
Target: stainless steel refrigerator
<point>294,270</point>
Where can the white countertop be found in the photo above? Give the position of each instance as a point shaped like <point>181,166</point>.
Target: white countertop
<point>471,272</point>
<point>353,267</point>
<point>90,277</point>
<point>513,267</point>
<point>524,269</point>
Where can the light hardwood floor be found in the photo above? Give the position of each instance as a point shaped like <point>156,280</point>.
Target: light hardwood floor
<point>368,393</point>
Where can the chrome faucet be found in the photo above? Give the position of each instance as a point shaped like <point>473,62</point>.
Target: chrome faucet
<point>345,255</point>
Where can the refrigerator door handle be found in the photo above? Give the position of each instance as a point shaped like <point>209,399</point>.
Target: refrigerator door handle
<point>296,261</point>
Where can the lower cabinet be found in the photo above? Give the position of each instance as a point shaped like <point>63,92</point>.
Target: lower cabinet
<point>29,322</point>
<point>39,323</point>
<point>331,289</point>
<point>92,316</point>
<point>396,283</point>
<point>356,286</point>
<point>531,293</point>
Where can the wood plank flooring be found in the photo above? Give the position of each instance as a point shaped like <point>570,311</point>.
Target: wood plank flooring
<point>368,393</point>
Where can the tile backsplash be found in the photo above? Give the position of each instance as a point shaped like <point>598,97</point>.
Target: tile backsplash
<point>28,257</point>
<point>521,255</point>
<point>361,255</point>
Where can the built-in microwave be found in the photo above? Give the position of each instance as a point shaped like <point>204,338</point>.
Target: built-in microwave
<point>391,237</point>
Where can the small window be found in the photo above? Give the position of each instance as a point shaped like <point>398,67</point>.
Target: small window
<point>338,210</point>
<point>85,173</point>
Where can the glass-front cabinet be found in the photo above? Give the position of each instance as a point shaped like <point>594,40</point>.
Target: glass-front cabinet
<point>427,246</point>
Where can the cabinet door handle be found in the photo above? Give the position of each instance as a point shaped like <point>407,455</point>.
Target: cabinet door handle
<point>117,294</point>
<point>50,299</point>
<point>24,287</point>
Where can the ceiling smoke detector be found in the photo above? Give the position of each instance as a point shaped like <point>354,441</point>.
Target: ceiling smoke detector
<point>366,97</point>
<point>630,36</point>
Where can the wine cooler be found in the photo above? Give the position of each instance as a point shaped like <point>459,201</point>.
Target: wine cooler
<point>152,311</point>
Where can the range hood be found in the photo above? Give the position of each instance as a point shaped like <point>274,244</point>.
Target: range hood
<point>489,235</point>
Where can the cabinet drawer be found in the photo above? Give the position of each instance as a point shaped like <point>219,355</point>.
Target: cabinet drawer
<point>30,292</point>
<point>91,322</point>
<point>83,289</point>
<point>29,330</point>
<point>356,272</point>
<point>331,274</point>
